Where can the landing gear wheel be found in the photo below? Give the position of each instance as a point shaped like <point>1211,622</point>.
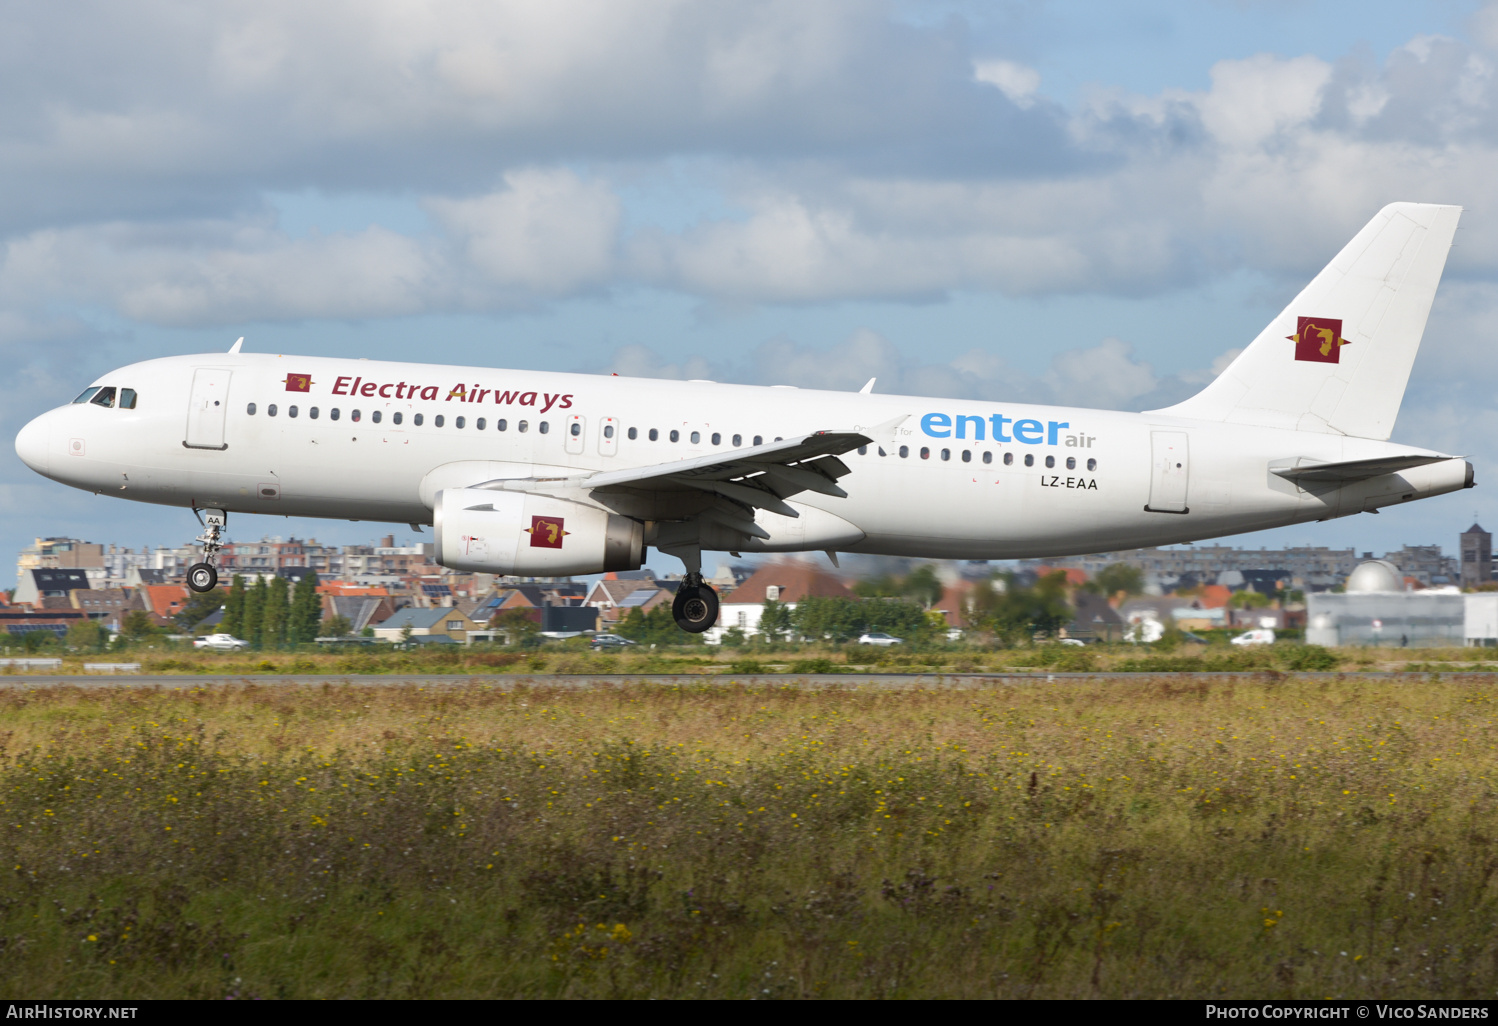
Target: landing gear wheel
<point>695,607</point>
<point>202,577</point>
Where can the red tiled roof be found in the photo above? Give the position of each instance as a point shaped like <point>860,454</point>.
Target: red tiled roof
<point>796,581</point>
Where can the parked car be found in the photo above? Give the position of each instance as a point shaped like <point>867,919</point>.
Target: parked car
<point>603,641</point>
<point>1261,636</point>
<point>880,638</point>
<point>1074,642</point>
<point>220,643</point>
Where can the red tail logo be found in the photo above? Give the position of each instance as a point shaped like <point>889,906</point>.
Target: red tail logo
<point>1318,339</point>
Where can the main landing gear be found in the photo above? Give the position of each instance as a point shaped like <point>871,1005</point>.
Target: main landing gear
<point>696,604</point>
<point>204,576</point>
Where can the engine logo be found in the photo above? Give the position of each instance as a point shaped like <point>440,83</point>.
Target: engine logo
<point>1318,339</point>
<point>299,382</point>
<point>546,532</point>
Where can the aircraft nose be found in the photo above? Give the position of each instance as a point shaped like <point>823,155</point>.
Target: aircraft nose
<point>32,444</point>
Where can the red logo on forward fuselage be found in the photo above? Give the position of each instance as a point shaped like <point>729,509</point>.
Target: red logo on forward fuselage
<point>299,382</point>
<point>1318,339</point>
<point>546,532</point>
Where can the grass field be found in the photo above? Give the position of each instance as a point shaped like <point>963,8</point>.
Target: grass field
<point>574,657</point>
<point>1131,837</point>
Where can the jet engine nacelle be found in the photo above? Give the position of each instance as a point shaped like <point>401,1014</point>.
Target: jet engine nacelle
<point>496,532</point>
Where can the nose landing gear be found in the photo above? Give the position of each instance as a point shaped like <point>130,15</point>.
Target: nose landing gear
<point>204,576</point>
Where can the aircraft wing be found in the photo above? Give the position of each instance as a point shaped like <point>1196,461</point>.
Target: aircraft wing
<point>1357,470</point>
<point>762,475</point>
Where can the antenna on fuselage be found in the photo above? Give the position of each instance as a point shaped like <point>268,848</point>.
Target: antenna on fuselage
<point>235,347</point>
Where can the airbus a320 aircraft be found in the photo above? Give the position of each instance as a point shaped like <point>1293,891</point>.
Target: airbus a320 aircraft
<point>535,473</point>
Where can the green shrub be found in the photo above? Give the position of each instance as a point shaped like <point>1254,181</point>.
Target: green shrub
<point>813,666</point>
<point>1307,657</point>
<point>1074,660</point>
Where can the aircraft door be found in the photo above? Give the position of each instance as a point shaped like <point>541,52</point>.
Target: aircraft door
<point>207,408</point>
<point>575,426</point>
<point>608,436</point>
<point>1170,468</point>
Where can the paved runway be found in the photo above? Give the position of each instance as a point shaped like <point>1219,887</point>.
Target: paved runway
<point>565,680</point>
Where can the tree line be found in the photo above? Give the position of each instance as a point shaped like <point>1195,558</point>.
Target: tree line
<point>271,614</point>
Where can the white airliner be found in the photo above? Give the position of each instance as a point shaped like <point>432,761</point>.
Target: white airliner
<point>537,473</point>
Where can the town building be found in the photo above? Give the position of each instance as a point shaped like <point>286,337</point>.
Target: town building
<point>37,584</point>
<point>452,624</point>
<point>107,605</point>
<point>1093,619</point>
<point>784,582</point>
<point>1477,557</point>
<point>1377,610</point>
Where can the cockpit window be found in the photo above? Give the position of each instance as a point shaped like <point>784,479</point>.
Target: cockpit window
<point>104,397</point>
<point>88,393</point>
<point>127,398</point>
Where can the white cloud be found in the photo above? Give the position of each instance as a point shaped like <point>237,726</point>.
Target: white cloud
<point>1105,376</point>
<point>1015,81</point>
<point>547,233</point>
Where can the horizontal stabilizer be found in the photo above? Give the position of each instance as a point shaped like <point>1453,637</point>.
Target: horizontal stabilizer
<point>1356,470</point>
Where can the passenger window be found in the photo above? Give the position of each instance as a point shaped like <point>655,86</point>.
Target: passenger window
<point>523,426</point>
<point>925,453</point>
<point>396,417</point>
<point>608,431</point>
<point>1092,464</point>
<point>654,434</point>
<point>501,425</point>
<point>1071,463</point>
<point>478,425</point>
<point>759,440</point>
<point>577,429</point>
<point>738,440</point>
<point>946,454</point>
<point>675,435</point>
<point>459,422</point>
<point>988,457</point>
<point>904,451</point>
<point>438,420</point>
<point>353,415</point>
<point>634,433</point>
<point>270,411</point>
<point>544,426</point>
<point>333,414</point>
<point>127,398</point>
<point>967,456</point>
<point>291,412</point>
<point>416,419</point>
<point>1050,462</point>
<point>86,395</point>
<point>696,437</point>
<point>717,438</point>
<point>250,409</point>
<point>375,416</point>
<point>1029,459</point>
<point>104,397</point>
<point>1008,459</point>
<point>312,412</point>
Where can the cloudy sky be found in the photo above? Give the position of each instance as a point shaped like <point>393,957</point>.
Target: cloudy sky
<point>1085,203</point>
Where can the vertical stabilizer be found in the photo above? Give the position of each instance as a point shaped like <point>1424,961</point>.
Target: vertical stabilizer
<point>1337,359</point>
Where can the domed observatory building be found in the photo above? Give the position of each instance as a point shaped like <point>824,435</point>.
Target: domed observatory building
<point>1376,609</point>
